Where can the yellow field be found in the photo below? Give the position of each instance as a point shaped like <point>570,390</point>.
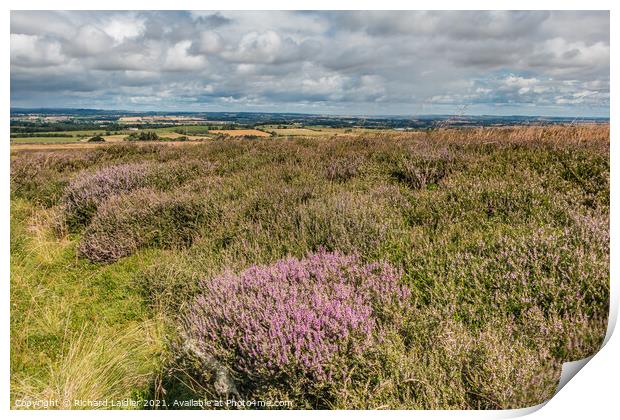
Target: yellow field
<point>297,132</point>
<point>317,131</point>
<point>240,133</point>
<point>115,138</point>
<point>173,135</point>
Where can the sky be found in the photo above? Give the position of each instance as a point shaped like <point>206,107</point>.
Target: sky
<point>345,63</point>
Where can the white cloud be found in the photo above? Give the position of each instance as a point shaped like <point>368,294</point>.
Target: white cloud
<point>256,47</point>
<point>124,27</point>
<point>210,43</point>
<point>520,82</point>
<point>178,59</point>
<point>89,41</point>
<point>31,50</point>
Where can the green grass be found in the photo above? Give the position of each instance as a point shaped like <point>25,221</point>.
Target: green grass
<point>63,309</point>
<point>190,129</point>
<point>501,234</point>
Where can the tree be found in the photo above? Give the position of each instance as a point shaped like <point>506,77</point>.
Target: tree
<point>143,136</point>
<point>96,139</point>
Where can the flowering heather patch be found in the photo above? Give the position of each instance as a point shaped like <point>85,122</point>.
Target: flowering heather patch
<point>127,222</point>
<point>41,176</point>
<point>86,192</point>
<point>295,318</point>
<point>342,169</point>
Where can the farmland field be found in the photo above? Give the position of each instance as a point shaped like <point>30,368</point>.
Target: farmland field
<point>316,131</point>
<point>28,140</point>
<point>84,145</point>
<point>189,132</point>
<point>440,269</point>
<point>240,132</point>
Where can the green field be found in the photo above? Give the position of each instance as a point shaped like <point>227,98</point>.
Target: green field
<point>181,128</point>
<point>22,140</point>
<point>193,130</point>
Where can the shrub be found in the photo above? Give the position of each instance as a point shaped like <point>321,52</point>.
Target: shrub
<point>341,169</point>
<point>422,171</point>
<point>96,139</point>
<point>42,176</point>
<point>348,222</point>
<point>143,136</point>
<point>297,319</point>
<point>145,217</point>
<point>88,190</point>
<point>124,151</point>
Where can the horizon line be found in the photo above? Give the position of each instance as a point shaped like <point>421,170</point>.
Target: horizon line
<point>354,115</point>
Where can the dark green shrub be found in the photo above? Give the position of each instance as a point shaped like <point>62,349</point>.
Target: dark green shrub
<point>96,139</point>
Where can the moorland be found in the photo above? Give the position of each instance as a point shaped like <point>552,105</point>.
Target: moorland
<point>332,267</point>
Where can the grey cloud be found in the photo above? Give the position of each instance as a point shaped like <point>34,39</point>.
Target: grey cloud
<point>379,62</point>
<point>213,20</point>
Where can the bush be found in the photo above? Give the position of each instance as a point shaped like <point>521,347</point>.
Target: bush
<point>348,222</point>
<point>84,194</point>
<point>296,320</point>
<point>341,169</point>
<point>128,222</point>
<point>96,139</point>
<point>42,176</point>
<point>88,190</point>
<point>422,171</point>
<point>143,136</point>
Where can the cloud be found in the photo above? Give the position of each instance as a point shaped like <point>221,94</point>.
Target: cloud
<point>554,63</point>
<point>88,41</point>
<point>209,42</point>
<point>33,51</point>
<point>179,59</point>
<point>124,27</point>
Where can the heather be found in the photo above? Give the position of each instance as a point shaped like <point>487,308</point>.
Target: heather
<point>296,320</point>
<point>125,223</point>
<point>90,189</point>
<point>490,248</point>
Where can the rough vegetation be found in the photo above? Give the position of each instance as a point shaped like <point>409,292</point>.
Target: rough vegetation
<point>297,320</point>
<point>436,269</point>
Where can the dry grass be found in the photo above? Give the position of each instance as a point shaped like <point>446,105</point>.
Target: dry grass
<point>98,366</point>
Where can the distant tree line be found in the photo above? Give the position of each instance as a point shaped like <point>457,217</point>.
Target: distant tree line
<point>143,136</point>
<point>43,126</point>
<point>36,127</point>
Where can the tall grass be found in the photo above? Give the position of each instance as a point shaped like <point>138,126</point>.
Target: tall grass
<point>96,371</point>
